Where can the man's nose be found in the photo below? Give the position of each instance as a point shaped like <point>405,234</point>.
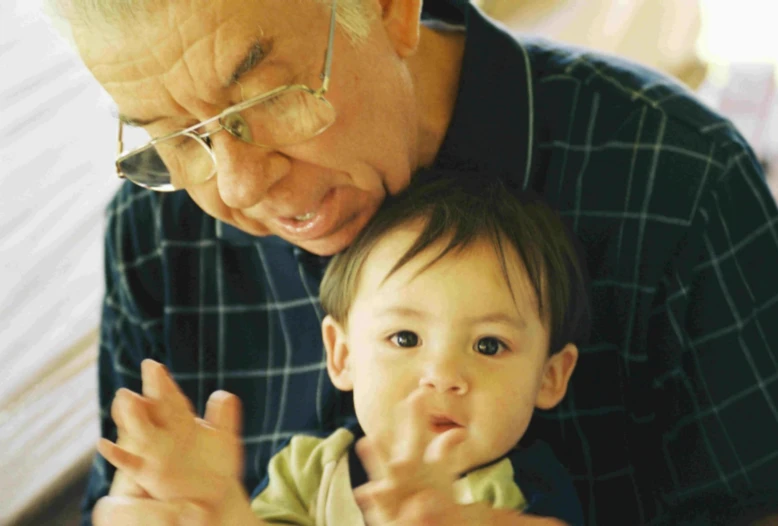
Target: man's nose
<point>445,374</point>
<point>245,172</point>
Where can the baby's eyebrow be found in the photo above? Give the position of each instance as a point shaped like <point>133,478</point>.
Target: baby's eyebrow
<point>499,317</point>
<point>402,311</point>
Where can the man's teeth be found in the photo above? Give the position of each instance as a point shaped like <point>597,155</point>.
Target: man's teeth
<point>305,217</point>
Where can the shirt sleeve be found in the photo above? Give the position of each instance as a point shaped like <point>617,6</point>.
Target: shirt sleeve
<point>715,338</point>
<point>126,329</point>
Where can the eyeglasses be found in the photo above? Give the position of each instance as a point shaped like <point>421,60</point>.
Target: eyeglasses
<point>284,116</point>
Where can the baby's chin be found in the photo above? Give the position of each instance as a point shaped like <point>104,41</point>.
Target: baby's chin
<point>472,457</point>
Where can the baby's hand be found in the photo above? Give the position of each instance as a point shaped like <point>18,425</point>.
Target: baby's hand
<point>170,452</point>
<point>413,483</point>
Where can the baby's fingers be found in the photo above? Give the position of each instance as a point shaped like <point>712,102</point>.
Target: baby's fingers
<point>224,412</point>
<point>412,433</point>
<point>171,407</point>
<point>373,460</point>
<point>442,449</point>
<point>119,457</point>
<point>131,413</point>
<point>378,501</point>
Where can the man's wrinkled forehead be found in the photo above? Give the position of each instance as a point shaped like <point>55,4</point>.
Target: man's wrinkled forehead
<point>219,41</point>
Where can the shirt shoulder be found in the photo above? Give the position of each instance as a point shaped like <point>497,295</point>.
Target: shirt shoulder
<point>622,89</point>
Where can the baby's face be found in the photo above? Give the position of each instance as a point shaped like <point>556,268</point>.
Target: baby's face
<point>455,332</point>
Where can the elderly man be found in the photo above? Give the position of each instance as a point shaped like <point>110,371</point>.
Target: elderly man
<point>284,132</point>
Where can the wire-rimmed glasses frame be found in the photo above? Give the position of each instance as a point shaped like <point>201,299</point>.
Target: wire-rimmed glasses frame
<point>231,121</point>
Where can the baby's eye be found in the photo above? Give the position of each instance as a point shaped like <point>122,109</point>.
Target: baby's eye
<point>489,346</point>
<point>405,339</point>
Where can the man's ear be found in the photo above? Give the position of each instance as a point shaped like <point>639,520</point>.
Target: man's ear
<point>402,21</point>
<point>556,375</point>
<point>337,354</point>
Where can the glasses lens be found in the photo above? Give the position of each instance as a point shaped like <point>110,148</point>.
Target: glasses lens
<point>291,117</point>
<point>174,164</point>
<point>183,161</point>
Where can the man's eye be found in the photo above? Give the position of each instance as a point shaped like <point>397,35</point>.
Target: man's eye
<point>489,346</point>
<point>405,339</point>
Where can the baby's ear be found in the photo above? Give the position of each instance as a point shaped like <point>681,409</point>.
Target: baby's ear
<point>556,375</point>
<point>334,337</point>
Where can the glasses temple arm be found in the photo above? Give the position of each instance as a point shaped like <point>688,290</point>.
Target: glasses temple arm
<point>119,139</point>
<point>328,54</point>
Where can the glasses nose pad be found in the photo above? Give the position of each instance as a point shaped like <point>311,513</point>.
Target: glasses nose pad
<point>237,127</point>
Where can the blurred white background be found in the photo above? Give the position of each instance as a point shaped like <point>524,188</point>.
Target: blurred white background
<point>56,149</point>
<point>57,143</point>
<point>738,31</point>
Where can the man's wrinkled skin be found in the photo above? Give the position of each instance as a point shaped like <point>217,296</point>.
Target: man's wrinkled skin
<point>392,109</point>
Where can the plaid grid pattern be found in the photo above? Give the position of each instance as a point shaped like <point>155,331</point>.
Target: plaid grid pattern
<point>675,397</point>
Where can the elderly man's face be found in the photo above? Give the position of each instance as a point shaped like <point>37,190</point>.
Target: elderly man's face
<point>188,61</point>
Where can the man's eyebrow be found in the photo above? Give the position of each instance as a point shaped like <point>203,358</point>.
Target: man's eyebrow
<point>256,53</point>
<point>131,121</point>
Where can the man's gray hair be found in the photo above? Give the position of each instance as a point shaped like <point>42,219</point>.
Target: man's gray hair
<point>353,15</point>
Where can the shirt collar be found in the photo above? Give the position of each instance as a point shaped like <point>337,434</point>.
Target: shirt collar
<point>492,126</point>
<point>236,236</point>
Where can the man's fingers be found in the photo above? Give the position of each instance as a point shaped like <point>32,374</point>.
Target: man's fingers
<point>130,511</point>
<point>224,412</point>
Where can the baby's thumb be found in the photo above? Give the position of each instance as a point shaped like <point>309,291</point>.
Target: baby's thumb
<point>224,411</point>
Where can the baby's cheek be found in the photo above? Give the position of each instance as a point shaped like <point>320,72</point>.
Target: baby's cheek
<point>512,413</point>
<point>372,406</point>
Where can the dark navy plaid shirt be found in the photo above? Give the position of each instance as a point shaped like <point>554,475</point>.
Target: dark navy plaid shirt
<point>675,398</point>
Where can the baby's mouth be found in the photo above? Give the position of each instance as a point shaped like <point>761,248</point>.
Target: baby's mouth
<point>441,424</point>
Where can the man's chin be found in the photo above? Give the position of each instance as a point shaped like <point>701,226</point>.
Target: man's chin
<point>327,245</point>
<point>251,227</point>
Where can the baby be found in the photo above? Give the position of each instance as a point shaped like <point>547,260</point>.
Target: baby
<point>455,313</point>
